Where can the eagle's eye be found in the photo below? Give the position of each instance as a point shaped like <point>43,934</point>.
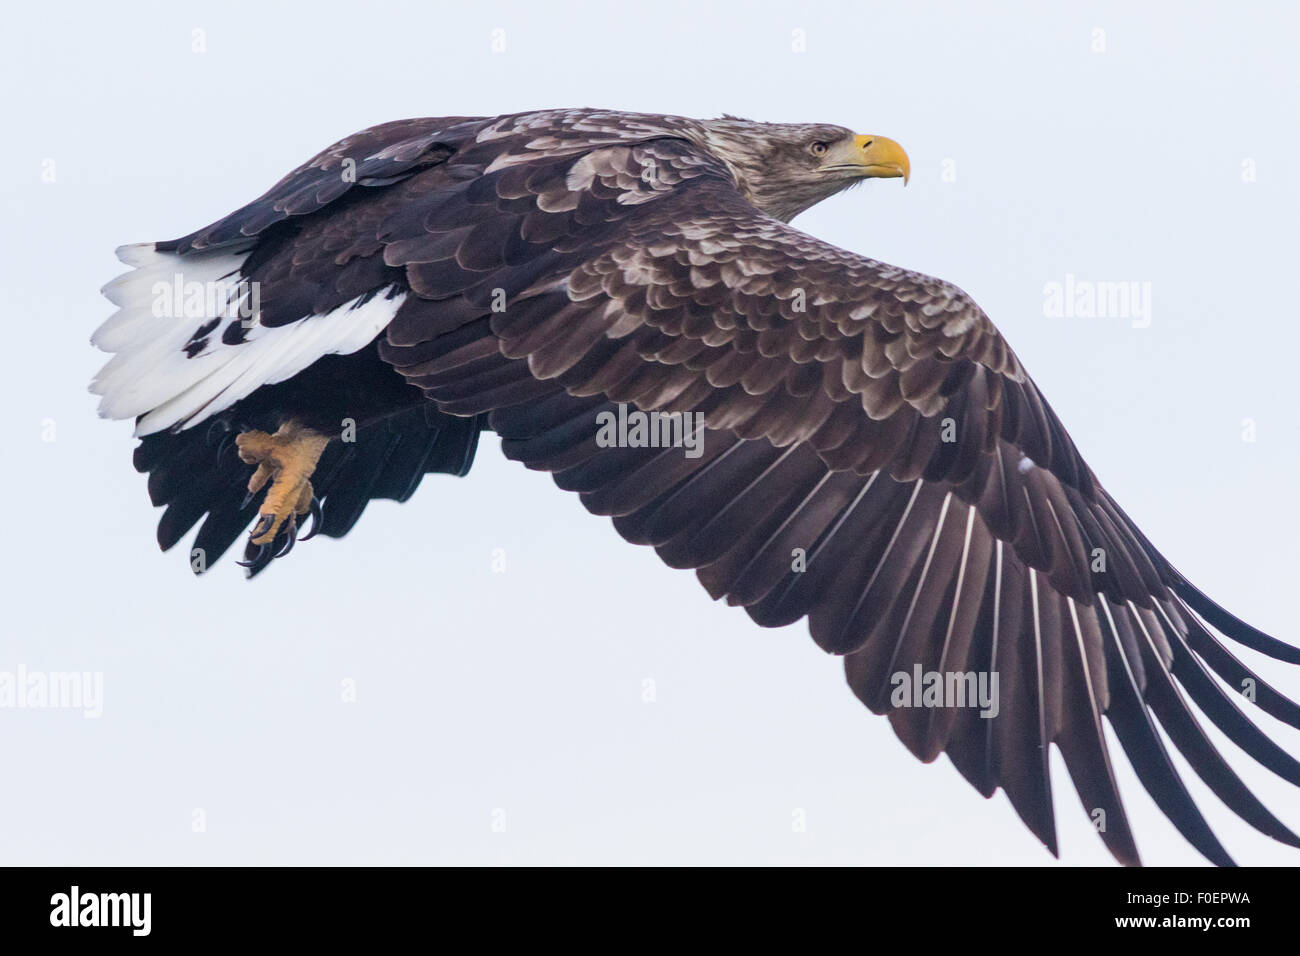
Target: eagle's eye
<point>818,148</point>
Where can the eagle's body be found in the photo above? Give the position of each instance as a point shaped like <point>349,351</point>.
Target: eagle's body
<point>873,455</point>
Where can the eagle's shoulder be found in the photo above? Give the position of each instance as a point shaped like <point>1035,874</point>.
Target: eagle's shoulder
<point>374,157</point>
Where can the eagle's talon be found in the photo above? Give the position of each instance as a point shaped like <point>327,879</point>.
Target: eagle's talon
<point>264,523</point>
<point>213,429</point>
<point>253,561</point>
<point>291,533</point>
<point>285,462</point>
<point>315,513</point>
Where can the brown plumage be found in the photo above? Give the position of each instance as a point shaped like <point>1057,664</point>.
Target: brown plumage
<point>542,268</point>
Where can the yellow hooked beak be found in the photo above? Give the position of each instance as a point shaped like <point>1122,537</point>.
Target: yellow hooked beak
<point>883,158</point>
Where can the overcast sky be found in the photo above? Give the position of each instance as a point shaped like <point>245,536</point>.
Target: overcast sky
<point>500,717</point>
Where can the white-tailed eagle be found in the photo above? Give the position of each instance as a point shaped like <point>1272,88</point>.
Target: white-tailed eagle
<point>869,453</point>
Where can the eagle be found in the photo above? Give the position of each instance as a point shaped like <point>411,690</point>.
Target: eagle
<point>844,440</point>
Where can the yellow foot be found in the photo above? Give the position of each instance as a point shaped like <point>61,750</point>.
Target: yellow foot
<point>286,460</point>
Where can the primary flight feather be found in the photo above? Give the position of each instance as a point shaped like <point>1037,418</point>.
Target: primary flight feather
<point>867,451</point>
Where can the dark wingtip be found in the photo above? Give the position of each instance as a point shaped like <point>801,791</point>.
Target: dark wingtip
<point>1233,627</point>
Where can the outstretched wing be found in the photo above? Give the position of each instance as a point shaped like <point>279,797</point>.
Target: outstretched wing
<point>867,418</point>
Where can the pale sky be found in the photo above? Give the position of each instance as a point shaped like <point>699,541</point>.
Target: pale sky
<point>1159,150</point>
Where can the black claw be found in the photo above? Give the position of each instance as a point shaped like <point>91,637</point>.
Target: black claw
<point>248,500</point>
<point>218,425</point>
<point>316,520</point>
<point>262,527</point>
<point>292,534</point>
<point>253,561</point>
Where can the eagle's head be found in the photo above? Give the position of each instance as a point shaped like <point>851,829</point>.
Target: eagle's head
<point>784,168</point>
